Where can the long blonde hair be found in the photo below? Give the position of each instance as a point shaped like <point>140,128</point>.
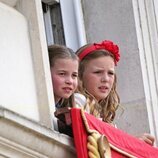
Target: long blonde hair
<point>107,107</point>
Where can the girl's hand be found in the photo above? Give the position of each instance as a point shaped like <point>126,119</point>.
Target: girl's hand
<point>147,138</point>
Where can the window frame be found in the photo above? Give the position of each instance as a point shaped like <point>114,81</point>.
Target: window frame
<point>73,22</point>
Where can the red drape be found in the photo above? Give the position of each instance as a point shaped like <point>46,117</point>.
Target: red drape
<point>116,137</point>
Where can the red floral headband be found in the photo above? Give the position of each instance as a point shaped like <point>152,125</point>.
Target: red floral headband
<point>107,45</point>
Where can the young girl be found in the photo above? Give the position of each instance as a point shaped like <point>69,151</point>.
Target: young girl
<point>64,72</point>
<point>97,78</point>
<point>97,81</point>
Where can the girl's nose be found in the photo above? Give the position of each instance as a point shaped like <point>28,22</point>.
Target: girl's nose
<point>69,80</point>
<point>104,78</point>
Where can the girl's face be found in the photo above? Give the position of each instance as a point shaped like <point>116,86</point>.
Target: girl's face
<point>64,78</point>
<point>98,76</point>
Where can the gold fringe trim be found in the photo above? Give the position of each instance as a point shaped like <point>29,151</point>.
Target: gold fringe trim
<point>99,144</point>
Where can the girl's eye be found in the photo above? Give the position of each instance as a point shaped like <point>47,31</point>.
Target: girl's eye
<point>111,73</point>
<point>61,73</point>
<point>98,72</point>
<point>74,75</point>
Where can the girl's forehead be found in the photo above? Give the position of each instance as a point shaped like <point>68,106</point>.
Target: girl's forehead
<point>67,64</point>
<point>106,61</point>
<point>65,61</point>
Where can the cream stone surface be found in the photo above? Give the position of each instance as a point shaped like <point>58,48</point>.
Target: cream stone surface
<point>24,138</point>
<point>26,95</point>
<point>17,82</point>
<point>29,83</point>
<point>10,3</point>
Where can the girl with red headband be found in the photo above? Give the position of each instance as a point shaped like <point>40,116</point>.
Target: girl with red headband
<point>97,81</point>
<point>97,78</point>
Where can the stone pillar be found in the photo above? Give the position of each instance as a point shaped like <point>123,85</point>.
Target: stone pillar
<point>125,23</point>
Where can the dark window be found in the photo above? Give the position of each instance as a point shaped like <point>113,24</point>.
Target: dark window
<point>56,22</point>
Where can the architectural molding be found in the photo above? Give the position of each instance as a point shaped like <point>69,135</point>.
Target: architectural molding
<point>11,3</point>
<point>21,136</point>
<point>147,35</point>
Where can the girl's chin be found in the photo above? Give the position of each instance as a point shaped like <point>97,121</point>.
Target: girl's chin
<point>101,98</point>
<point>66,96</point>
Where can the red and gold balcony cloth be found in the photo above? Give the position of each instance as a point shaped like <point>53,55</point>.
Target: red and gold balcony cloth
<point>117,138</point>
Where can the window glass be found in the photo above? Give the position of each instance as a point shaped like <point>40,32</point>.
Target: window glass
<point>53,23</point>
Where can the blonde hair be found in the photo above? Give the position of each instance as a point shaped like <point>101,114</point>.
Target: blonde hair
<point>60,52</point>
<point>107,107</point>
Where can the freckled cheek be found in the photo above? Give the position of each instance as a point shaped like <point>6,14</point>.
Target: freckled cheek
<point>89,81</point>
<point>89,85</point>
<point>112,82</point>
<point>57,82</point>
<point>85,83</point>
<point>56,86</point>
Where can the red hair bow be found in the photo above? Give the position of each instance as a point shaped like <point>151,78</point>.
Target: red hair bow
<point>107,45</point>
